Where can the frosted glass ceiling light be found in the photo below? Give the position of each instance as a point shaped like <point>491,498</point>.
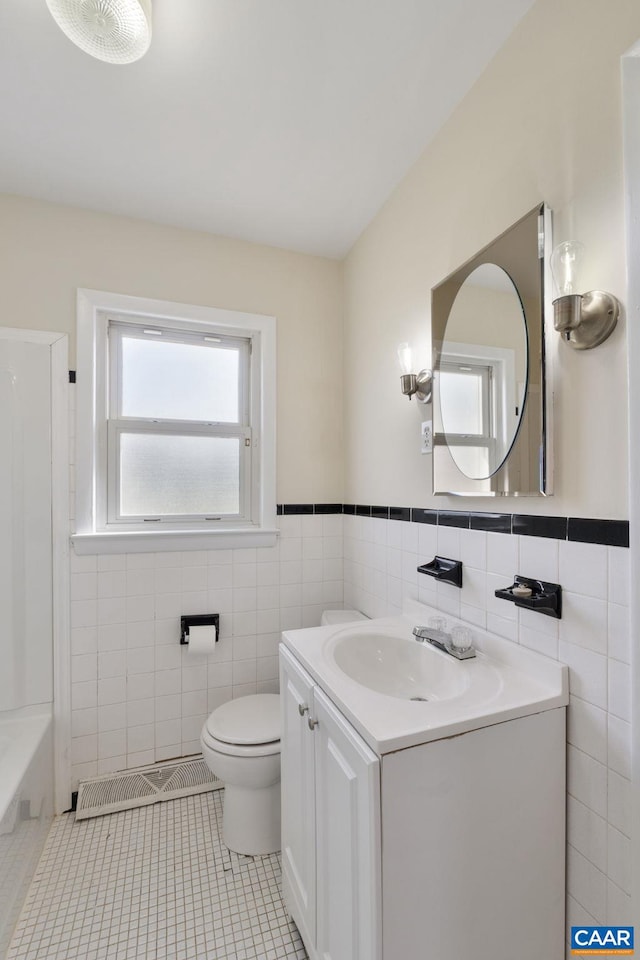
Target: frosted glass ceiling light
<point>418,383</point>
<point>584,320</point>
<point>116,31</point>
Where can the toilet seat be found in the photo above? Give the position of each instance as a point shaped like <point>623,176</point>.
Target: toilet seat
<point>239,750</point>
<point>247,720</point>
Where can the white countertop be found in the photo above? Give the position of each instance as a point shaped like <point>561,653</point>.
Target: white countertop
<point>504,681</point>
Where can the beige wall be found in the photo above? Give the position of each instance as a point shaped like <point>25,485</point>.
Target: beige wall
<point>542,123</point>
<point>47,251</point>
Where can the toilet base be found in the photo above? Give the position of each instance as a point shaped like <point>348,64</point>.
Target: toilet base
<point>251,819</point>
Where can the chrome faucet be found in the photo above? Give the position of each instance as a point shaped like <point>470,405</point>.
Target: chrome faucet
<point>443,641</point>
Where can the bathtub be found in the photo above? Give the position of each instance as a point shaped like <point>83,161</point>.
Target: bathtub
<point>26,805</point>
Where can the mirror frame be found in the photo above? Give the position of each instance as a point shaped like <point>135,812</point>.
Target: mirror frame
<point>523,252</point>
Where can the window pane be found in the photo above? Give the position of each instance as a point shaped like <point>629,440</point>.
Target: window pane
<point>173,475</point>
<point>473,461</point>
<point>179,381</point>
<point>461,402</point>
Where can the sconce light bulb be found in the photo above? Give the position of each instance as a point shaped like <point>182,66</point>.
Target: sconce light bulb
<point>566,261</point>
<point>405,358</point>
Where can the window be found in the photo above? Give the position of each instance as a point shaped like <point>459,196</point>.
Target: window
<point>466,393</point>
<point>175,430</point>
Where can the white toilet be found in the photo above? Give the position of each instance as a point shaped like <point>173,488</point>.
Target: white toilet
<point>241,745</point>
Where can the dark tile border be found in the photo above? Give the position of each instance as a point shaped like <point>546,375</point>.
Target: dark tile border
<point>493,522</point>
<point>527,525</point>
<point>614,533</point>
<point>453,518</point>
<point>424,516</point>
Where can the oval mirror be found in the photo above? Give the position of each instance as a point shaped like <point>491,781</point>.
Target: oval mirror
<point>482,371</point>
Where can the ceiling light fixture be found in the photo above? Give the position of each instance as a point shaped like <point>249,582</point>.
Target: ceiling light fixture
<point>116,31</point>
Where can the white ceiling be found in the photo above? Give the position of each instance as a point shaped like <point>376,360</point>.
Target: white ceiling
<point>286,122</point>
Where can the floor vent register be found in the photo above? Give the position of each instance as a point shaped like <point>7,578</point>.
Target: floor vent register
<point>145,785</point>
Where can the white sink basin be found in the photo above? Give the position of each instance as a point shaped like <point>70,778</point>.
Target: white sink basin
<point>399,668</point>
<point>397,692</point>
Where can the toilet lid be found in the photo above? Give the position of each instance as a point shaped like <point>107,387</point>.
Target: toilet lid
<point>247,720</point>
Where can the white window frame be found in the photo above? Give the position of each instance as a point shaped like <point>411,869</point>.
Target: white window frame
<point>96,532</point>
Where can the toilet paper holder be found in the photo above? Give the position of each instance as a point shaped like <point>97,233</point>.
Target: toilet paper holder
<point>199,620</point>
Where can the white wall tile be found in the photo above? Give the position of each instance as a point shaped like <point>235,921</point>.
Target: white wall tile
<point>502,555</point>
<point>584,622</point>
<point>168,707</point>
<point>141,686</point>
<point>586,884</point>
<point>587,728</point>
<point>141,738</point>
<point>619,575</point>
<point>543,643</point>
<point>587,673</point>
<point>194,704</point>
<point>84,586</point>
<point>587,832</point>
<point>448,539</point>
<point>112,664</point>
<point>409,535</point>
<point>619,859</point>
<point>539,558</point>
<point>140,712</point>
<point>111,744</point>
<point>84,722</point>
<point>84,667</point>
<point>619,803</point>
<point>332,525</point>
<point>620,746</point>
<point>587,780</point>
<point>619,632</point>
<point>584,568</point>
<point>473,549</point>
<point>112,716</point>
<point>84,613</point>
<point>112,636</point>
<point>619,907</point>
<point>140,582</point>
<point>84,640</point>
<point>141,634</point>
<point>84,694</point>
<point>427,541</point>
<point>312,526</point>
<point>112,690</point>
<point>620,690</point>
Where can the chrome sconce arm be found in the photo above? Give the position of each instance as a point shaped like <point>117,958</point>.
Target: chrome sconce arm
<point>584,320</point>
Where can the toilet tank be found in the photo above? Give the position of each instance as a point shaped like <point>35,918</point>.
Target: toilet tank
<point>333,617</point>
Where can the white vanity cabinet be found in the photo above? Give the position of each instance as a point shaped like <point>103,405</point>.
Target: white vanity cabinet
<point>446,850</point>
<point>331,822</point>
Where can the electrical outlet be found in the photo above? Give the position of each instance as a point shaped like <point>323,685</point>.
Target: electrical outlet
<point>427,436</point>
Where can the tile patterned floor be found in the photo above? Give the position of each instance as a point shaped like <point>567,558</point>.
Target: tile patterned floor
<point>155,882</point>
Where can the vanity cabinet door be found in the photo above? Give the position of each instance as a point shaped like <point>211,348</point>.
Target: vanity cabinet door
<point>348,839</point>
<point>298,795</point>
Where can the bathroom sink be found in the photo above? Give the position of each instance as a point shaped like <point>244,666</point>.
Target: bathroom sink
<point>398,693</point>
<point>399,667</point>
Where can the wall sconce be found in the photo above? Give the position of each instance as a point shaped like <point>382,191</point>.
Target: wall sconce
<point>413,383</point>
<point>584,320</point>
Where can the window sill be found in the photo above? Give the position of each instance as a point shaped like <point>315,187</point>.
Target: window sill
<point>154,541</point>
